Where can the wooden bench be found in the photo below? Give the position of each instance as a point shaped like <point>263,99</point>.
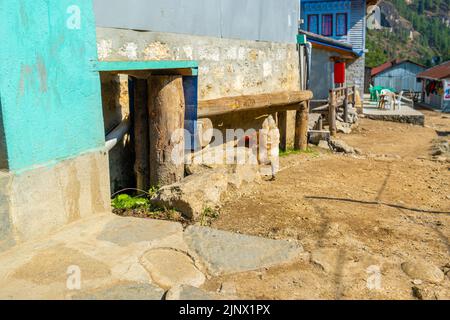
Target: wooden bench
<point>279,102</point>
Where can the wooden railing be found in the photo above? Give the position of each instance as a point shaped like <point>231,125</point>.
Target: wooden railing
<point>340,97</point>
<point>337,98</point>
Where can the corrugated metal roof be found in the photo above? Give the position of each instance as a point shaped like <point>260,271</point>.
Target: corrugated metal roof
<point>389,64</point>
<point>441,71</point>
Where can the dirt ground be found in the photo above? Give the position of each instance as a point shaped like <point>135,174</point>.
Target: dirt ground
<point>352,215</point>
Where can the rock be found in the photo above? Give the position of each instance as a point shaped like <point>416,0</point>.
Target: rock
<point>417,282</point>
<point>417,293</point>
<point>124,291</point>
<point>324,145</point>
<point>325,258</point>
<point>343,127</point>
<point>225,252</point>
<point>205,189</point>
<point>228,288</point>
<point>315,136</point>
<point>313,120</point>
<point>124,231</point>
<point>189,293</point>
<point>440,148</point>
<point>205,131</point>
<point>340,146</point>
<point>169,268</point>
<point>423,270</point>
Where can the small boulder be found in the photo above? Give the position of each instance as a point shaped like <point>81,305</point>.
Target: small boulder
<point>423,270</point>
<point>340,146</point>
<point>205,188</point>
<point>343,127</point>
<point>324,145</point>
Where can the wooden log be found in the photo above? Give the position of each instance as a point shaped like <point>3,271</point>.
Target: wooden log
<point>301,127</point>
<point>141,135</point>
<point>282,126</point>
<point>166,107</point>
<point>214,107</point>
<point>346,120</point>
<point>332,114</point>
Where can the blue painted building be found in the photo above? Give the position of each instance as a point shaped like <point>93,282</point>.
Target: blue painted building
<point>337,31</point>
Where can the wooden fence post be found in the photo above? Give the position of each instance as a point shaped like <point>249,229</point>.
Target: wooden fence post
<point>282,126</point>
<point>346,120</point>
<point>141,135</point>
<point>332,113</point>
<point>301,127</point>
<point>166,118</point>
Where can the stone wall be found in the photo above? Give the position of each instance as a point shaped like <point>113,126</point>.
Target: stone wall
<point>226,67</point>
<point>355,74</point>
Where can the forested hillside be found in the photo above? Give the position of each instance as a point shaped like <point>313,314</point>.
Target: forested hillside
<point>415,29</point>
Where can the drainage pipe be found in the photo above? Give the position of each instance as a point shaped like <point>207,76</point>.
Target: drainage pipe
<point>117,134</point>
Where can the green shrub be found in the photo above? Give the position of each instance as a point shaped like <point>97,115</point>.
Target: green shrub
<point>124,201</point>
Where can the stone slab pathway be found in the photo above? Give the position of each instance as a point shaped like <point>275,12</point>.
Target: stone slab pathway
<point>111,257</point>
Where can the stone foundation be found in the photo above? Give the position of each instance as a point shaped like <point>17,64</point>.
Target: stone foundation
<point>355,74</point>
<point>39,201</point>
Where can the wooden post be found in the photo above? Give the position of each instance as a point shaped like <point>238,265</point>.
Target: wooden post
<point>332,113</point>
<point>282,126</point>
<point>346,120</point>
<point>301,127</point>
<point>320,124</point>
<point>141,135</point>
<point>166,106</point>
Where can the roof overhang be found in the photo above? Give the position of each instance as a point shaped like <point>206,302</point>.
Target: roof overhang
<point>328,44</point>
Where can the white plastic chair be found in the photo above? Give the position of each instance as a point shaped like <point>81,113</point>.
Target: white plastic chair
<point>398,100</point>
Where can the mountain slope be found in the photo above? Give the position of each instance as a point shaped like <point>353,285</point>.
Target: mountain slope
<point>412,29</point>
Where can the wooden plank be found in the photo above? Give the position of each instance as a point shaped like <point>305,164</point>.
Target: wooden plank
<point>252,102</point>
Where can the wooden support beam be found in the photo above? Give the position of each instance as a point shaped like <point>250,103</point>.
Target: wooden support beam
<point>166,116</point>
<point>346,120</point>
<point>332,114</point>
<point>141,135</point>
<point>287,100</point>
<point>301,127</point>
<point>282,126</point>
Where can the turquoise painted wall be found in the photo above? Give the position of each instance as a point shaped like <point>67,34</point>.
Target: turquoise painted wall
<point>49,95</point>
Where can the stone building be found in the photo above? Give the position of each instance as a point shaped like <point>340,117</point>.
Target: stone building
<point>69,86</point>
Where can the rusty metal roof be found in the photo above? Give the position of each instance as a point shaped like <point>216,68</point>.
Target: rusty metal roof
<point>441,71</point>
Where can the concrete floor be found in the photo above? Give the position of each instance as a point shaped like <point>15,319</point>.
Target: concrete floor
<point>110,257</point>
<point>404,114</point>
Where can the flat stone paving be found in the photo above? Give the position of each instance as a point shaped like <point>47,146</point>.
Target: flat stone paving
<point>110,257</point>
<point>225,252</point>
